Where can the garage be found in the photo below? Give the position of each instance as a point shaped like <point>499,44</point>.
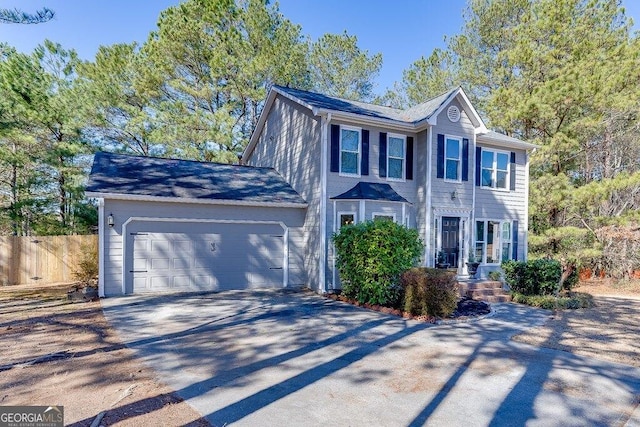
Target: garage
<point>219,257</point>
<point>169,225</point>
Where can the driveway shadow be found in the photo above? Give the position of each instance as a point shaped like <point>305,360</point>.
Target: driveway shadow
<point>273,358</point>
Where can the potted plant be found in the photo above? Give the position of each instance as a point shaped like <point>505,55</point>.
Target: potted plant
<point>472,265</point>
<point>441,261</point>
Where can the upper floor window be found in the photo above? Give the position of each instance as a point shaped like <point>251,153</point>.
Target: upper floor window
<point>495,169</point>
<point>396,157</point>
<point>349,150</point>
<point>452,161</point>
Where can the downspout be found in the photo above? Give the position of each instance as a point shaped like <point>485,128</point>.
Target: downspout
<point>428,219</point>
<point>324,148</point>
<point>101,246</point>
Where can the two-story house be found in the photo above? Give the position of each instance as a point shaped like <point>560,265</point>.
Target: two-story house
<point>314,163</point>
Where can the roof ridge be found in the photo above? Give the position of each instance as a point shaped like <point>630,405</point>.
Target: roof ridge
<point>139,156</point>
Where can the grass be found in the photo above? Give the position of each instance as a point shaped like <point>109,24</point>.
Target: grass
<point>572,300</point>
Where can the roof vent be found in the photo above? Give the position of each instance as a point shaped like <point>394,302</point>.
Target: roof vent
<point>453,113</point>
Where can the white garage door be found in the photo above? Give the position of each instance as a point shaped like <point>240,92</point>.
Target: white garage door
<point>217,257</point>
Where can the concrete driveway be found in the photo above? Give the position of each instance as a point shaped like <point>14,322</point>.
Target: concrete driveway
<point>294,358</point>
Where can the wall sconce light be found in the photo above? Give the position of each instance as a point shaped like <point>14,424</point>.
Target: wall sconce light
<point>454,194</point>
<point>110,220</point>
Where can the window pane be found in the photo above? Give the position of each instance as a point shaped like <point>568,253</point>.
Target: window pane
<point>487,159</point>
<point>346,219</point>
<point>396,147</point>
<point>349,162</point>
<point>452,169</point>
<point>480,231</point>
<point>503,161</point>
<point>506,252</point>
<point>395,168</point>
<point>501,179</point>
<point>492,240</point>
<point>486,178</point>
<point>453,148</point>
<point>350,140</point>
<point>479,251</point>
<point>506,231</point>
<point>383,217</point>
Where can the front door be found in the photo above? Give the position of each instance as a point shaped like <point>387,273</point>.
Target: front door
<point>451,240</point>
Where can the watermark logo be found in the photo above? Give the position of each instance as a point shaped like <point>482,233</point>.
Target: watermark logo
<point>31,416</point>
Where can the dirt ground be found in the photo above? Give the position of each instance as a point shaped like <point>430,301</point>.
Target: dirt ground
<point>57,353</point>
<point>607,331</point>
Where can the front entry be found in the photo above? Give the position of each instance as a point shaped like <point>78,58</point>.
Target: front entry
<point>451,240</point>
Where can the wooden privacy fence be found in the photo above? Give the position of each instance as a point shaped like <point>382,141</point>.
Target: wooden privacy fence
<point>45,259</point>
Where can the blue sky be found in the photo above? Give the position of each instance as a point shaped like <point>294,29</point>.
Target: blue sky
<point>402,30</point>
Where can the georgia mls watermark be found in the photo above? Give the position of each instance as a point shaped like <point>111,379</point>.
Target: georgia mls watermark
<point>31,416</point>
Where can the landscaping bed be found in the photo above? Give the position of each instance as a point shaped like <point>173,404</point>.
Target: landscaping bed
<point>60,353</point>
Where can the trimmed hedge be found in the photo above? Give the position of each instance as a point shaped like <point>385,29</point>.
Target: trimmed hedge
<point>536,277</point>
<point>371,256</point>
<point>429,291</point>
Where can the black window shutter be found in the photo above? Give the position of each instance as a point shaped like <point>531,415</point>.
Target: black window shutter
<point>409,165</point>
<point>512,174</point>
<point>382,163</point>
<point>335,148</point>
<point>440,173</point>
<point>478,169</point>
<point>465,159</point>
<point>364,161</point>
<point>514,256</point>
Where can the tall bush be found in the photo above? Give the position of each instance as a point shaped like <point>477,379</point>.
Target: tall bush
<point>537,277</point>
<point>429,291</point>
<point>371,256</point>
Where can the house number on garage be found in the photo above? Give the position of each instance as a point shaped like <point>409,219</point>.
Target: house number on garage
<point>213,246</point>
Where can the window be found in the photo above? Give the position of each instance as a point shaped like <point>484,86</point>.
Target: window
<point>452,158</point>
<point>388,217</point>
<point>495,169</point>
<point>349,151</point>
<point>347,218</point>
<point>396,156</point>
<point>493,241</point>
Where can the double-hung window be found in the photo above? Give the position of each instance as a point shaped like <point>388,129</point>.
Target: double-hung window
<point>396,156</point>
<point>349,151</point>
<point>493,241</point>
<point>495,169</point>
<point>453,156</point>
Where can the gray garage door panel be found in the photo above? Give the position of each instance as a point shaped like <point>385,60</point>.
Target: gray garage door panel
<point>230,256</point>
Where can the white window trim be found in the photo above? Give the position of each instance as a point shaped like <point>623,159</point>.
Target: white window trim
<point>459,139</point>
<point>486,230</point>
<point>404,158</point>
<point>340,213</point>
<point>494,170</point>
<point>359,160</point>
<point>391,214</point>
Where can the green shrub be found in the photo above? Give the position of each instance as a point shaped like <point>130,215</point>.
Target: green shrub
<point>534,277</point>
<point>371,256</point>
<point>429,291</point>
<point>550,302</point>
<point>495,275</point>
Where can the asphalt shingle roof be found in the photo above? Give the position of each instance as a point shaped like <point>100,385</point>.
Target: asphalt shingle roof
<point>151,176</point>
<point>371,191</point>
<point>411,115</point>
